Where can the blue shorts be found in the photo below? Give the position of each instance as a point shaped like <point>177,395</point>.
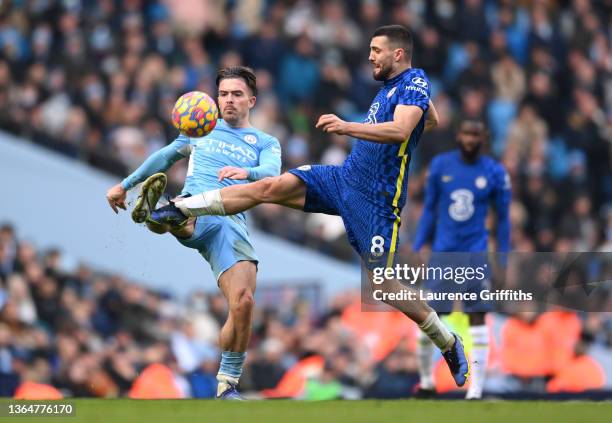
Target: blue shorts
<point>464,281</point>
<point>372,229</point>
<point>222,240</point>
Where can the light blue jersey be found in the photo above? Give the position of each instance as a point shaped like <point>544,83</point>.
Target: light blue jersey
<point>249,148</point>
<point>222,241</point>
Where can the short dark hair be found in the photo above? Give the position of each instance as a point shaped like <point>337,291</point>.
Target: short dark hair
<point>474,121</point>
<point>243,72</point>
<point>398,35</point>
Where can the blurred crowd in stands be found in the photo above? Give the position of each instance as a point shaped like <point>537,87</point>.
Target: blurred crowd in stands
<point>75,332</point>
<point>96,80</point>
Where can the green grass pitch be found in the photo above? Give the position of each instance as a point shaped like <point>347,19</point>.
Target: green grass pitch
<point>410,411</point>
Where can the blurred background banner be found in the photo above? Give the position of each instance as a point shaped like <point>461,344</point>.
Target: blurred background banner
<point>92,305</point>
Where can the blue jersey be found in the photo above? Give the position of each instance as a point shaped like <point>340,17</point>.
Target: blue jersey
<point>380,170</point>
<point>249,148</point>
<point>457,198</point>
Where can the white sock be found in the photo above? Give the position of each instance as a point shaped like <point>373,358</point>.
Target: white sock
<point>425,353</point>
<point>437,332</point>
<point>205,203</point>
<point>224,383</point>
<point>478,360</point>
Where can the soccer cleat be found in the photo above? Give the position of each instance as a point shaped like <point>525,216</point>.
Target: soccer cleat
<point>231,394</point>
<point>170,215</point>
<point>152,189</point>
<point>457,362</point>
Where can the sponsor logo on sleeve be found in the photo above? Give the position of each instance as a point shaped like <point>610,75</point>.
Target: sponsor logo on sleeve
<point>420,86</point>
<point>419,82</point>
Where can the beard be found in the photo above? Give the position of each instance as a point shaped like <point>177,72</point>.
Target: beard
<point>231,118</point>
<point>470,155</point>
<point>383,74</point>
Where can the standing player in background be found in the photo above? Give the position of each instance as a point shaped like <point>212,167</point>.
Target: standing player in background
<point>369,190</point>
<point>461,185</point>
<point>233,153</point>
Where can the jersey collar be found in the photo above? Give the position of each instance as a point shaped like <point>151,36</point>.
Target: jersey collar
<point>396,77</point>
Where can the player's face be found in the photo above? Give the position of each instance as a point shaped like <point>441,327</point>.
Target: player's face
<point>470,139</point>
<point>382,56</point>
<point>235,100</point>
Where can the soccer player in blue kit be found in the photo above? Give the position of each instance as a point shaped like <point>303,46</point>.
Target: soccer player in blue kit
<point>461,185</point>
<point>369,190</point>
<point>233,153</point>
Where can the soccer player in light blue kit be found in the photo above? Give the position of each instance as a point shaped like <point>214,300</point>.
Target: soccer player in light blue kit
<point>461,186</point>
<point>369,190</point>
<point>233,153</point>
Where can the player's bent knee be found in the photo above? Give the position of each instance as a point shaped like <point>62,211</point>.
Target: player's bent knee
<point>243,303</point>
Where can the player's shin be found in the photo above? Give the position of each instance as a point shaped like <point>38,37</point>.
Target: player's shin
<point>206,203</point>
<point>478,360</point>
<point>230,370</point>
<point>437,332</point>
<point>425,351</point>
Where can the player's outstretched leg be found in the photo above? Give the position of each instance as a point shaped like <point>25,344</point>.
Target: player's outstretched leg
<point>287,190</point>
<point>238,286</point>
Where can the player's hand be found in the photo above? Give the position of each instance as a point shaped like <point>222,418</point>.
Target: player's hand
<point>116,197</point>
<point>332,124</point>
<point>231,172</point>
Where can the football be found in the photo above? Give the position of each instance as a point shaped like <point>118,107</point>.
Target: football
<point>195,114</point>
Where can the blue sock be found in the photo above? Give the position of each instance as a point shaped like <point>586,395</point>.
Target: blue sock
<point>231,363</point>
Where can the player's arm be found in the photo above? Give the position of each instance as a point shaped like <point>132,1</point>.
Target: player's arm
<point>503,197</point>
<point>405,119</point>
<point>412,102</point>
<point>269,165</point>
<point>431,118</point>
<point>160,161</point>
<point>425,228</point>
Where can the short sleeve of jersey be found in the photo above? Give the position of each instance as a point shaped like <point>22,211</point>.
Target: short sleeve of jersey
<point>415,90</point>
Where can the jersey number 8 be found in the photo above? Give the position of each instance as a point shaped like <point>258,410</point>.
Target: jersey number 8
<point>378,246</point>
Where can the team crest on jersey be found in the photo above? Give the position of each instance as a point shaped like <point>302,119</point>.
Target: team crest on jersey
<point>481,182</point>
<point>391,92</point>
<point>250,139</point>
<point>305,167</point>
<point>447,178</point>
<point>419,82</point>
<point>371,119</point>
